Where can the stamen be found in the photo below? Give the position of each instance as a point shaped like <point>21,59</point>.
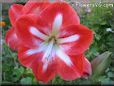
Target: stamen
<point>37,33</point>
<point>47,55</point>
<point>48,50</point>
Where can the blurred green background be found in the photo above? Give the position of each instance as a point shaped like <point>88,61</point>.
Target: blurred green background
<point>99,19</point>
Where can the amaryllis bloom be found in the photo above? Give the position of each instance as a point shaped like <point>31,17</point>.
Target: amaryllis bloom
<point>52,42</point>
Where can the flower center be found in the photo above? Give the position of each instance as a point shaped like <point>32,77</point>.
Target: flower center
<point>54,38</point>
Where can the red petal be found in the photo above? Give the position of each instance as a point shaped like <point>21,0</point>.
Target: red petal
<point>15,12</point>
<point>27,60</point>
<point>11,39</point>
<point>73,72</point>
<point>44,76</point>
<point>80,45</point>
<point>68,13</point>
<point>23,25</point>
<point>34,61</point>
<point>35,6</point>
<point>87,68</point>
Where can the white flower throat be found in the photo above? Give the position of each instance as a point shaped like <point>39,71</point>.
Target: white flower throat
<point>51,45</point>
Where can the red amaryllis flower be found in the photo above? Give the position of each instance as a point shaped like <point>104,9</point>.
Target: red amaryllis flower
<point>53,43</point>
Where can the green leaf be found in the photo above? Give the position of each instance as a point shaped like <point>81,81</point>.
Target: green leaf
<point>17,73</point>
<point>99,64</point>
<point>26,81</point>
<point>105,81</point>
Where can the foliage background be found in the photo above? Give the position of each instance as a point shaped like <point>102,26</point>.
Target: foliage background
<point>99,19</point>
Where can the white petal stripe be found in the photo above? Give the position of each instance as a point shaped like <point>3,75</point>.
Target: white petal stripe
<point>42,47</point>
<point>31,51</point>
<point>64,57</point>
<point>69,39</point>
<point>34,31</point>
<point>45,65</point>
<point>57,22</point>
